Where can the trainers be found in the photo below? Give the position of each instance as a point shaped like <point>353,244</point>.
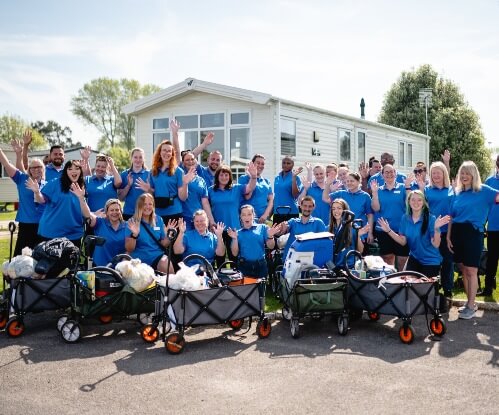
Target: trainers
<point>467,314</point>
<point>461,309</point>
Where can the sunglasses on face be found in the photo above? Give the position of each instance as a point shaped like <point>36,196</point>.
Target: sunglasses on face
<point>419,171</point>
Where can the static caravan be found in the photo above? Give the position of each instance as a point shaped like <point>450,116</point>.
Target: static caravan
<point>248,122</point>
<point>8,189</point>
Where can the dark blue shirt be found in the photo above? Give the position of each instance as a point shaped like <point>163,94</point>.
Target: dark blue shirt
<point>29,211</point>
<point>381,181</point>
<point>252,242</point>
<point>260,195</point>
<point>420,246</point>
<point>322,210</point>
<point>204,245</point>
<point>115,241</point>
<point>99,191</point>
<point>197,192</point>
<point>225,204</point>
<point>133,193</point>
<point>283,191</point>
<point>51,172</point>
<point>493,218</point>
<point>439,201</point>
<point>392,206</point>
<point>167,186</point>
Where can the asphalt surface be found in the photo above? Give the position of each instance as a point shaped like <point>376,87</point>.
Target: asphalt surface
<point>112,371</point>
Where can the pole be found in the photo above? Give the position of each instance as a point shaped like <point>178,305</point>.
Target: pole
<point>426,112</point>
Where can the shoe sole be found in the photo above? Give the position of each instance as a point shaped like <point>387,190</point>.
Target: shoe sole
<point>467,317</point>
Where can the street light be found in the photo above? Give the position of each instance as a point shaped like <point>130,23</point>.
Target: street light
<point>425,95</point>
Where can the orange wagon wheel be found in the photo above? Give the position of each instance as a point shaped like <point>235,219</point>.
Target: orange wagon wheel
<point>406,334</point>
<point>175,343</point>
<point>263,328</point>
<point>4,317</point>
<point>437,327</point>
<point>106,318</point>
<point>15,327</point>
<point>149,333</point>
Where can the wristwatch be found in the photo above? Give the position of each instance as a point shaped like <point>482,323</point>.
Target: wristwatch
<point>134,236</point>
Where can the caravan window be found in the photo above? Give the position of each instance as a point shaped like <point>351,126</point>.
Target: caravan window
<point>344,141</point>
<point>288,137</point>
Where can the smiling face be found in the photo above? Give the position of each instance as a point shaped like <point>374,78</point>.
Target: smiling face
<point>166,154</point>
<point>137,160</point>
<point>113,213</point>
<point>247,217</point>
<point>214,161</point>
<point>466,178</point>
<point>319,174</point>
<point>100,168</point>
<point>416,203</point>
<point>337,211</point>
<point>201,223</point>
<point>57,157</point>
<point>223,178</point>
<point>307,207</point>
<point>260,165</point>
<point>389,174</point>
<point>342,174</point>
<point>437,177</point>
<point>36,170</point>
<point>352,184</point>
<point>287,164</point>
<point>73,173</point>
<point>189,160</point>
<point>148,207</point>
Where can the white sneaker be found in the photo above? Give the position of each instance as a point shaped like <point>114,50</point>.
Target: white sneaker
<point>467,314</point>
<point>461,309</point>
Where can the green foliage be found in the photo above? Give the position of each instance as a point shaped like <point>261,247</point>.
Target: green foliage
<point>453,124</point>
<point>99,103</point>
<point>55,134</point>
<point>13,127</point>
<point>121,157</point>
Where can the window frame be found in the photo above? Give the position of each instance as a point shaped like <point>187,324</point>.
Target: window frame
<point>341,160</point>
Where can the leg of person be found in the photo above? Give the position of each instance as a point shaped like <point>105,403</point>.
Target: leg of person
<point>386,247</point>
<point>164,265</point>
<point>447,272</point>
<point>401,261</point>
<point>492,260</point>
<point>470,274</point>
<point>27,236</point>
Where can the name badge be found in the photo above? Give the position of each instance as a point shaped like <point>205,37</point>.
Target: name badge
<point>396,191</point>
<point>156,228</point>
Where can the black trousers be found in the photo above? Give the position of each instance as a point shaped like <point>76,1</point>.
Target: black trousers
<point>492,259</point>
<point>27,235</point>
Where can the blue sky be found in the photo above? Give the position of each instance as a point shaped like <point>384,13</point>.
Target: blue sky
<point>328,54</point>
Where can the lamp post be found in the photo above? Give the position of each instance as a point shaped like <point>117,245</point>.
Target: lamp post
<point>425,95</point>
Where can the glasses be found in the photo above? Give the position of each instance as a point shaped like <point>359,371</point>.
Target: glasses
<point>419,171</point>
<point>36,167</point>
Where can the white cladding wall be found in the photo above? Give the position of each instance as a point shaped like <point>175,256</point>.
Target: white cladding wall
<point>8,189</point>
<point>201,103</point>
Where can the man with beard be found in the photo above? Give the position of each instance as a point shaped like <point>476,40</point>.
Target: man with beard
<point>305,223</point>
<point>53,170</point>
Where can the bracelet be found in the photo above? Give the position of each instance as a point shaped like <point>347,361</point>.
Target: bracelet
<point>270,237</point>
<point>389,231</point>
<point>134,236</point>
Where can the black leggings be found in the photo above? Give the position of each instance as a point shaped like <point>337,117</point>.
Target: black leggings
<point>27,235</point>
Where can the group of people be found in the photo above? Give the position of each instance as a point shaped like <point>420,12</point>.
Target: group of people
<point>421,222</point>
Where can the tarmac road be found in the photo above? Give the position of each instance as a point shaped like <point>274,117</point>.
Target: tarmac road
<point>112,371</point>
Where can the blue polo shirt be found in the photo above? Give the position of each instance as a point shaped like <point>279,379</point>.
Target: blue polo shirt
<point>381,181</point>
<point>51,172</point>
<point>115,241</point>
<point>283,194</point>
<point>493,218</point>
<point>225,204</point>
<point>204,245</point>
<point>297,227</point>
<point>259,197</point>
<point>473,207</point>
<point>252,242</point>
<point>206,174</point>
<point>197,190</point>
<point>439,201</point>
<point>62,216</point>
<point>359,202</point>
<point>99,191</point>
<point>420,246</point>
<point>392,206</point>
<point>322,210</point>
<point>146,248</point>
<point>29,211</point>
<point>167,186</point>
<point>133,193</point>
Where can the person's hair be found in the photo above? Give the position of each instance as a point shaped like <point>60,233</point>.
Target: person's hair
<point>343,165</point>
<point>333,166</point>
<point>55,147</point>
<point>438,165</point>
<point>354,175</point>
<point>425,213</point>
<point>139,208</point>
<point>134,150</point>
<point>216,152</point>
<point>332,221</point>
<point>65,180</point>
<point>470,168</point>
<point>222,169</point>
<point>37,160</point>
<point>388,164</point>
<point>199,212</point>
<point>257,156</point>
<point>319,166</point>
<point>247,207</point>
<point>184,153</point>
<point>100,157</point>
<point>114,202</point>
<point>308,198</point>
<point>157,162</point>
<point>373,160</point>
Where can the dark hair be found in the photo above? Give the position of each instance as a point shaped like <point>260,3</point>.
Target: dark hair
<point>257,156</point>
<point>65,181</point>
<point>373,160</point>
<point>222,169</point>
<point>55,147</point>
<point>355,175</point>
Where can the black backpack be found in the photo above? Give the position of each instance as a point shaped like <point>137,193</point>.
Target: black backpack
<point>55,256</point>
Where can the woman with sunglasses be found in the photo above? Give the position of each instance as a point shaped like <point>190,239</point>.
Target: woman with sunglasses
<point>29,213</point>
<point>102,186</point>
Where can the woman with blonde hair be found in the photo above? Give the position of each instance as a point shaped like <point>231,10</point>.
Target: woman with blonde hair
<point>146,235</point>
<point>29,213</point>
<point>469,211</point>
<point>132,181</point>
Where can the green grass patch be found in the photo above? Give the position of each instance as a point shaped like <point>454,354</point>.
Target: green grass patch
<point>272,304</point>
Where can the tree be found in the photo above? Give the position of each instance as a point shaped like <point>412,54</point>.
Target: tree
<point>13,127</point>
<point>55,134</point>
<point>121,157</point>
<point>99,103</point>
<point>453,124</point>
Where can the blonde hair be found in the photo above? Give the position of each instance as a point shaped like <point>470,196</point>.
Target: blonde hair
<point>470,168</point>
<point>440,166</point>
<point>112,202</point>
<point>139,208</point>
<point>37,160</point>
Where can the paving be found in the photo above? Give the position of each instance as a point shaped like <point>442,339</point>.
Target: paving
<point>111,370</point>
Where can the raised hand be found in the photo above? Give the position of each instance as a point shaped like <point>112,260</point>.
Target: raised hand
<point>189,176</point>
<point>143,185</point>
<point>333,187</point>
<point>442,221</point>
<point>383,223</point>
<point>232,233</point>
<point>306,184</point>
<point>16,146</point>
<point>100,213</point>
<point>409,179</point>
<point>134,226</point>
<point>251,170</point>
<point>27,137</point>
<point>110,162</point>
<point>174,126</point>
<point>85,153</point>
<point>274,230</point>
<point>210,137</point>
<point>32,185</point>
<point>446,157</point>
<point>77,190</point>
<point>374,186</point>
<point>182,227</point>
<point>218,229</point>
<point>172,224</point>
<point>297,171</point>
<point>364,169</point>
